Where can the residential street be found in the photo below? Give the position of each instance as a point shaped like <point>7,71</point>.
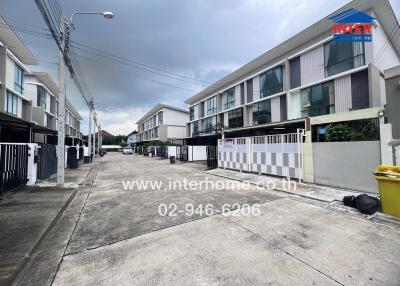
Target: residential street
<point>121,239</point>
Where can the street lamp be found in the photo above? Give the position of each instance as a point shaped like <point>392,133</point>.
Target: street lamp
<point>106,14</point>
<point>65,26</point>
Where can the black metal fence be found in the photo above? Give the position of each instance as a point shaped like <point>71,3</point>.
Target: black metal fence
<point>212,157</point>
<point>72,161</point>
<point>47,161</point>
<point>13,166</point>
<point>80,152</point>
<point>182,153</point>
<point>162,152</point>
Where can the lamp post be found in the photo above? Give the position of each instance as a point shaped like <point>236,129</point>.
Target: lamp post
<point>66,26</point>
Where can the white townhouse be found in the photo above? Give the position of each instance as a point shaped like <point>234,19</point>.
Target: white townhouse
<point>43,92</point>
<point>308,82</point>
<point>131,138</point>
<point>162,122</point>
<point>28,100</point>
<point>14,57</point>
<point>72,121</point>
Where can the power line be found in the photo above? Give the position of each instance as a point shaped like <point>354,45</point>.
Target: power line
<point>139,65</point>
<point>385,45</point>
<point>119,59</point>
<point>143,78</point>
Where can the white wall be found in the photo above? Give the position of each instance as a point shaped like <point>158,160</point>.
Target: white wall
<point>174,117</point>
<point>312,65</point>
<point>294,105</point>
<point>175,132</point>
<point>276,109</point>
<point>10,73</point>
<point>343,94</point>
<point>389,58</point>
<point>256,88</point>
<point>197,153</point>
<point>347,165</point>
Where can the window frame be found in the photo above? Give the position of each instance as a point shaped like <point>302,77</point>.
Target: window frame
<point>352,57</point>
<point>309,109</point>
<point>264,82</point>
<point>14,103</point>
<point>229,98</point>
<point>191,113</point>
<point>213,109</point>
<point>41,97</point>
<point>18,82</point>
<point>262,113</point>
<point>207,124</point>
<point>160,118</point>
<point>235,118</point>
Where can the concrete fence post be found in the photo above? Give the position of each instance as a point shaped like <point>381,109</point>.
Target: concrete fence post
<point>32,165</point>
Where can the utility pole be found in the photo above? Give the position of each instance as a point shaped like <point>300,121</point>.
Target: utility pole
<point>98,139</point>
<point>90,131</point>
<point>61,108</point>
<point>94,133</point>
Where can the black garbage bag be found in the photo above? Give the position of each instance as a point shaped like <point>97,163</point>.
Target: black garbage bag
<point>349,201</point>
<point>367,204</point>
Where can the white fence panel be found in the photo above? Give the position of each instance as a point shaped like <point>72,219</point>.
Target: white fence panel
<point>280,155</point>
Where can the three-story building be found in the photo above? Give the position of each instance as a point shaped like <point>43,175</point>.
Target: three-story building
<point>162,122</point>
<point>308,81</point>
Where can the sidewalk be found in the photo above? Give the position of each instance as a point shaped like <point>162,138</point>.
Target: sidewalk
<point>311,191</point>
<point>330,197</point>
<point>28,214</point>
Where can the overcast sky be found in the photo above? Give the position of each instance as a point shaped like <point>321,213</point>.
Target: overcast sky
<point>200,39</point>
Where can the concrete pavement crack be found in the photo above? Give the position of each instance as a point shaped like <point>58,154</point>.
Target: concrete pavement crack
<point>281,249</point>
<point>217,213</point>
<point>76,223</point>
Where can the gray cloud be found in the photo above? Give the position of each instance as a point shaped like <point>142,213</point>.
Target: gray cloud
<point>197,38</point>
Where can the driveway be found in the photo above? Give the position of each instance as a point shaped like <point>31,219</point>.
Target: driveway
<point>121,239</point>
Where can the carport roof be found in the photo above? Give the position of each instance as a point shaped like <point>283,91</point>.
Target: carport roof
<point>15,45</point>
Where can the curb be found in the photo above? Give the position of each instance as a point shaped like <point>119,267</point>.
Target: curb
<point>21,264</point>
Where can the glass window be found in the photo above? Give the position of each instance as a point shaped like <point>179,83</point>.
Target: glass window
<point>271,82</point>
<point>160,118</point>
<point>18,79</point>
<point>208,123</point>
<point>230,99</point>
<point>211,105</point>
<point>12,102</point>
<point>242,93</point>
<point>41,97</point>
<point>343,56</point>
<point>262,112</point>
<point>295,72</point>
<point>318,99</point>
<point>195,130</point>
<point>235,118</point>
<point>191,110</point>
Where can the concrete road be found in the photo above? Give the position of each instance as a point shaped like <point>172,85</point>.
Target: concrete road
<point>121,239</point>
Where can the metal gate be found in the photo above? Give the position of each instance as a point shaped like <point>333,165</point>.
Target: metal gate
<point>13,166</point>
<point>162,152</point>
<point>80,152</point>
<point>280,155</point>
<point>212,160</point>
<point>182,153</point>
<point>47,161</point>
<point>72,161</point>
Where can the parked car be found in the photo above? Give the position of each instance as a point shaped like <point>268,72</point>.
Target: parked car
<point>127,151</point>
<point>102,152</point>
<point>151,150</point>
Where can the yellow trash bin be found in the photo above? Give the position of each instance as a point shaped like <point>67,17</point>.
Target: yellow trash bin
<point>388,178</point>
